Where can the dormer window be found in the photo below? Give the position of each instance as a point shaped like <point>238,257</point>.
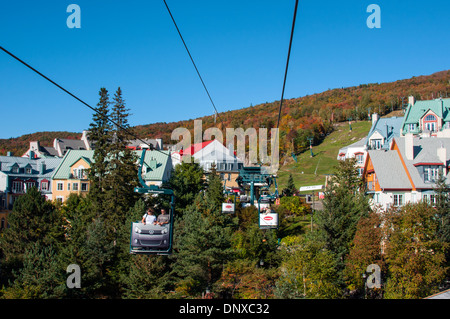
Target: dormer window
<point>28,170</point>
<point>430,173</point>
<point>376,144</point>
<point>430,123</point>
<point>79,173</point>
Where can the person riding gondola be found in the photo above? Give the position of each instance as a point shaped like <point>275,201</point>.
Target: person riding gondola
<point>149,218</point>
<point>162,218</point>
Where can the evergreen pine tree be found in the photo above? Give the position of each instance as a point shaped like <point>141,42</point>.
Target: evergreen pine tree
<point>100,134</point>
<point>290,188</point>
<point>443,209</point>
<point>41,277</point>
<point>33,220</point>
<point>344,204</point>
<point>89,246</point>
<point>186,181</point>
<point>122,168</point>
<point>202,241</point>
<point>214,189</point>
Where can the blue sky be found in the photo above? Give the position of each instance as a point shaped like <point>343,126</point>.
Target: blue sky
<point>240,48</point>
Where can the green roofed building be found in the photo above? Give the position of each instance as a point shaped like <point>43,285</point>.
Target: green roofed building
<point>71,175</point>
<point>427,118</point>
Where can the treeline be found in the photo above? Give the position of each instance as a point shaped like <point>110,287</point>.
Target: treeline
<point>19,145</point>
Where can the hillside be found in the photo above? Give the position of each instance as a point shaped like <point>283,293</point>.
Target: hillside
<point>313,170</point>
<point>312,115</point>
<point>19,145</point>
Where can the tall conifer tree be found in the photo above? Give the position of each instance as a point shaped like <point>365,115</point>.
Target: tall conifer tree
<point>344,204</point>
<point>122,167</point>
<point>100,134</point>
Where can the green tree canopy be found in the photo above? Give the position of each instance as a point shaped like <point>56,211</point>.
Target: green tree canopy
<point>414,254</point>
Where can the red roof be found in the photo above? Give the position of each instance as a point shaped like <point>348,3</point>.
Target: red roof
<point>194,148</point>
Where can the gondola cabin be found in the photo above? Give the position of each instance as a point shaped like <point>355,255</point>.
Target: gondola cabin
<point>152,239</point>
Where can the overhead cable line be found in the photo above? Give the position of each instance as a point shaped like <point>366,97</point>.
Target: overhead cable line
<point>192,60</point>
<point>287,62</point>
<point>285,72</point>
<point>80,100</point>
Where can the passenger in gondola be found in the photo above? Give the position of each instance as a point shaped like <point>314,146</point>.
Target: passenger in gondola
<point>149,217</point>
<point>163,218</point>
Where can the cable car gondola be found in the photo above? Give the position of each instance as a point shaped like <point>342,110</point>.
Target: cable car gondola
<point>152,239</point>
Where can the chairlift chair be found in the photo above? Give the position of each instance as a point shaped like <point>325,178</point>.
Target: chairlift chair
<point>152,239</point>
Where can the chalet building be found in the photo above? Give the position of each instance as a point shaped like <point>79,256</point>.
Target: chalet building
<point>60,147</point>
<point>17,174</point>
<point>380,136</point>
<point>408,171</point>
<point>71,175</point>
<point>213,152</point>
<point>383,131</point>
<point>427,118</point>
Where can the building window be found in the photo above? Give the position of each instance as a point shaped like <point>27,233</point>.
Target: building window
<point>431,126</point>
<point>60,186</point>
<point>398,200</point>
<point>430,122</point>
<point>29,185</point>
<point>79,173</point>
<point>84,187</point>
<point>430,118</point>
<point>376,197</point>
<point>430,173</point>
<point>430,199</point>
<point>412,127</point>
<point>44,186</point>
<point>359,158</point>
<point>75,186</point>
<point>15,169</point>
<point>17,187</point>
<point>360,171</point>
<point>376,144</point>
